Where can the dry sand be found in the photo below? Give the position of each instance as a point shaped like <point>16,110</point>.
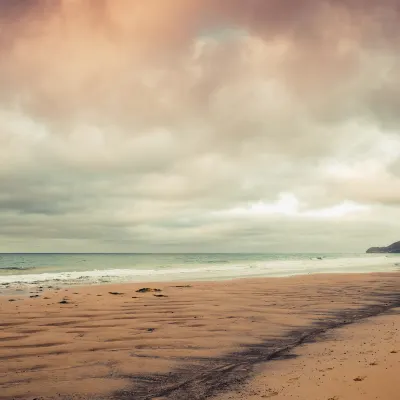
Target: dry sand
<point>205,340</point>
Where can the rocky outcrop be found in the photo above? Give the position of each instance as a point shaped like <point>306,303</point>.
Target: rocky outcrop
<point>393,248</point>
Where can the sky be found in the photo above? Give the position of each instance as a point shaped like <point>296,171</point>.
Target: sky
<point>199,125</point>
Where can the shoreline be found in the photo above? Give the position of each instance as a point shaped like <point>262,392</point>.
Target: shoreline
<point>111,340</point>
<point>7,289</point>
<point>199,271</point>
<point>22,288</point>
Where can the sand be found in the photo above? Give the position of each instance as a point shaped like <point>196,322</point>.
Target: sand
<point>357,362</point>
<point>228,340</point>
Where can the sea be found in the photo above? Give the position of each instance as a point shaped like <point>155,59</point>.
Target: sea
<point>88,269</point>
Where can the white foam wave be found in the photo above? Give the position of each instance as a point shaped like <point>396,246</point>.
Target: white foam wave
<point>212,272</point>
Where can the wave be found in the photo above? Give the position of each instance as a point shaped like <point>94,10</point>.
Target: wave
<point>216,262</point>
<point>211,272</point>
<point>16,268</point>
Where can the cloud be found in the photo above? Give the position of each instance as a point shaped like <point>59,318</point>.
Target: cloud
<point>133,126</point>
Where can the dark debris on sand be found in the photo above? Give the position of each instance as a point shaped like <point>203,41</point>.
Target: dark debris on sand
<point>148,290</point>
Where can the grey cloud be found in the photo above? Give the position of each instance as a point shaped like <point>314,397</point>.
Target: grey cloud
<point>129,137</point>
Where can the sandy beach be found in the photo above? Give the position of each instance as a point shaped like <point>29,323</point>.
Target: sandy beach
<point>306,337</point>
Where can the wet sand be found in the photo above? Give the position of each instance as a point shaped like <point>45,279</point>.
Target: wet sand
<point>198,341</point>
<point>357,362</point>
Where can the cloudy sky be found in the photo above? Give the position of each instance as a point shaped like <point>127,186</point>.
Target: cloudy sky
<point>199,125</point>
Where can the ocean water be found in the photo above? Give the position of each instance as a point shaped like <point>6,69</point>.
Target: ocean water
<point>73,269</point>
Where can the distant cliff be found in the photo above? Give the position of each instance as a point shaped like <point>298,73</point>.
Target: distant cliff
<point>393,248</point>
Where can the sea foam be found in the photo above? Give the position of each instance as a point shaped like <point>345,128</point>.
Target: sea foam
<point>211,271</point>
